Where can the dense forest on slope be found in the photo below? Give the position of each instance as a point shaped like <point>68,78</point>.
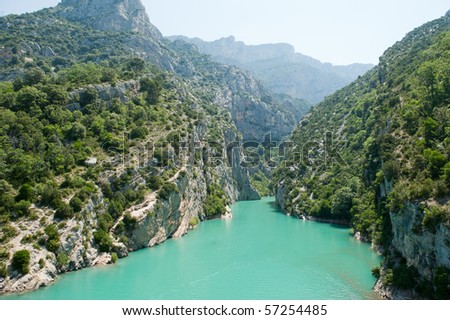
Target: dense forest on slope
<point>112,140</point>
<point>131,129</point>
<point>377,154</point>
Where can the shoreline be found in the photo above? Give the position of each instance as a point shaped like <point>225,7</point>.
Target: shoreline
<point>383,292</point>
<point>228,215</point>
<point>103,260</point>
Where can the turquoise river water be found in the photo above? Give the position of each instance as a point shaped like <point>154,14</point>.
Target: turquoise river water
<point>259,254</point>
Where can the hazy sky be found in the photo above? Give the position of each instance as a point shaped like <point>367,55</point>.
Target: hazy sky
<point>337,31</point>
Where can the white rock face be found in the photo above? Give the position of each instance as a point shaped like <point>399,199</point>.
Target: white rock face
<point>424,250</point>
<point>115,15</point>
<point>421,248</point>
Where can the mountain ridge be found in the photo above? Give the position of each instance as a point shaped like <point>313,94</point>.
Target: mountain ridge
<point>113,15</point>
<point>281,68</point>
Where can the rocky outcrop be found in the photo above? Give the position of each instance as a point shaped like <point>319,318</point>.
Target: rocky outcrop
<point>254,112</point>
<point>38,277</point>
<point>170,217</point>
<point>422,248</point>
<point>77,248</point>
<point>34,49</point>
<point>392,293</point>
<point>143,40</point>
<point>113,15</point>
<point>123,91</point>
<point>418,246</point>
<point>281,196</point>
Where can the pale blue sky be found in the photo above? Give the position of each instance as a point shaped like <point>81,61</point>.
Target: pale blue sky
<point>334,31</point>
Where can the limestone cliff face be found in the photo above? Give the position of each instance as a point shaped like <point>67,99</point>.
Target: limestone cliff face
<point>123,16</point>
<point>422,248</point>
<point>240,174</point>
<point>114,15</point>
<point>252,108</point>
<point>255,118</point>
<point>281,196</point>
<point>76,245</point>
<point>169,217</point>
<point>160,219</point>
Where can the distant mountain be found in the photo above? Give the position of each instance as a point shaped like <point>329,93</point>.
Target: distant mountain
<point>281,68</point>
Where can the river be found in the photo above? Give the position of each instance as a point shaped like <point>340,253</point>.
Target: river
<point>258,254</point>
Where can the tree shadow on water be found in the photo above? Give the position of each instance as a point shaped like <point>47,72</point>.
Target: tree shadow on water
<point>275,207</point>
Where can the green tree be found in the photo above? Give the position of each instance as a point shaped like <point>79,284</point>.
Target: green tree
<point>129,221</point>
<point>22,208</point>
<point>29,97</point>
<point>26,192</point>
<point>166,190</point>
<point>21,261</point>
<point>33,77</point>
<point>109,75</point>
<point>427,75</point>
<point>103,240</point>
<point>436,161</point>
<point>442,283</point>
<point>63,211</point>
<point>215,202</point>
<point>3,270</point>
<point>138,133</point>
<point>155,182</point>
<point>50,195</point>
<point>77,131</point>
<point>136,64</point>
<point>430,126</point>
<point>114,257</point>
<point>446,174</point>
<point>341,202</point>
<point>152,90</point>
<point>89,96</point>
<point>62,260</point>
<point>56,94</point>
<point>115,209</point>
<point>76,204</point>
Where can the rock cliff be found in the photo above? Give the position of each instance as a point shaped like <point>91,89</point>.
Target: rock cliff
<point>423,249</point>
<point>254,109</point>
<point>113,15</point>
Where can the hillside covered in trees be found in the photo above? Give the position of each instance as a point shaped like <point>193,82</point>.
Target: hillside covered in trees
<point>112,140</point>
<point>377,155</point>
